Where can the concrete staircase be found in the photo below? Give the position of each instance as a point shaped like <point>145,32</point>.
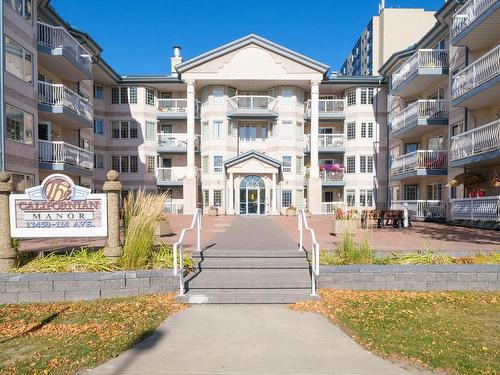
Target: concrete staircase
<point>248,276</point>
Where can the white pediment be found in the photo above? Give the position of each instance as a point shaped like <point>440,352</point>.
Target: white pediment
<point>252,166</point>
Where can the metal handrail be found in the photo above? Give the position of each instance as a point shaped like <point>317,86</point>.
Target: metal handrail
<point>302,223</point>
<point>179,265</point>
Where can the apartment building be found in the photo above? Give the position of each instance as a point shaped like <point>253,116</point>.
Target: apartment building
<point>392,30</point>
<point>443,109</point>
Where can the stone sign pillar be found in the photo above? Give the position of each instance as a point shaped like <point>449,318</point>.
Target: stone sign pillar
<point>112,187</point>
<point>7,252</point>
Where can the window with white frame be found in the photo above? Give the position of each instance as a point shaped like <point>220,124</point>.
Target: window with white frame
<point>124,163</point>
<point>248,133</point>
<point>124,95</point>
<point>286,198</point>
<point>218,95</point>
<point>21,181</point>
<point>217,129</point>
<point>351,97</point>
<point>218,163</point>
<point>98,92</point>
<point>350,164</point>
<point>435,191</point>
<point>204,164</point>
<point>18,61</point>
<point>299,165</point>
<point>366,164</point>
<point>350,196</point>
<point>98,126</point>
<point>206,198</point>
<point>98,161</point>
<point>367,94</point>
<point>286,164</point>
<point>150,163</point>
<point>286,95</point>
<point>204,130</point>
<point>217,198</point>
<point>19,125</point>
<point>150,97</point>
<point>150,130</point>
<point>23,7</point>
<point>123,129</point>
<point>351,130</point>
<point>286,130</point>
<point>366,198</point>
<point>299,130</point>
<point>367,130</point>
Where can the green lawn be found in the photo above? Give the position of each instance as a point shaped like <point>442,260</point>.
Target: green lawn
<point>63,338</point>
<point>453,331</point>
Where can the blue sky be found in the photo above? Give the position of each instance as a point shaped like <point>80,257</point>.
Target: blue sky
<point>137,36</point>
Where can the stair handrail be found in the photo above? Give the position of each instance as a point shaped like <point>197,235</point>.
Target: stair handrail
<point>179,265</point>
<point>302,224</point>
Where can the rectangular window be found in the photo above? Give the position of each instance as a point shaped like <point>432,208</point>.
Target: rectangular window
<point>124,95</point>
<point>263,132</point>
<point>125,163</point>
<point>351,97</point>
<point>204,164</point>
<point>150,97</point>
<point>350,162</point>
<point>21,181</point>
<point>115,163</point>
<point>366,164</point>
<point>367,94</point>
<point>299,165</point>
<point>133,95</point>
<point>367,130</point>
<point>204,130</point>
<point>98,161</point>
<point>150,130</point>
<point>350,196</point>
<point>286,130</point>
<point>150,163</point>
<point>366,198</point>
<point>134,164</point>
<point>286,95</point>
<point>434,191</point>
<point>217,131</point>
<point>206,198</point>
<point>98,92</point>
<point>299,131</point>
<point>19,125</point>
<point>99,126</point>
<point>218,95</point>
<point>124,129</point>
<point>248,133</point>
<point>286,198</point>
<point>411,192</point>
<point>115,95</point>
<point>22,7</point>
<point>18,61</point>
<point>218,163</point>
<point>286,164</point>
<point>217,198</point>
<point>351,130</point>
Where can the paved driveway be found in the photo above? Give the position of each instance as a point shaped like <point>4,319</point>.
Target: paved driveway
<point>254,339</point>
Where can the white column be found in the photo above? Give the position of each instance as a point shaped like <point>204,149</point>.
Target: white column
<point>191,105</point>
<point>275,196</point>
<point>231,193</point>
<point>314,172</point>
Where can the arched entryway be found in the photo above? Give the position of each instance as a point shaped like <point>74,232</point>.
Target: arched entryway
<point>252,196</point>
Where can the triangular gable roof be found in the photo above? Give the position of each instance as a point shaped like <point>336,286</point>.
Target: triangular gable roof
<point>247,40</point>
<point>252,154</point>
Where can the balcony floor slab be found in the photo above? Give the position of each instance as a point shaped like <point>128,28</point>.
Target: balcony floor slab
<point>482,96</point>
<point>419,127</point>
<point>419,81</point>
<point>63,116</point>
<point>64,167</point>
<point>62,62</point>
<point>485,159</point>
<point>421,172</point>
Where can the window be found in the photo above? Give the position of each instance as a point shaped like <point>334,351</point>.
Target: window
<point>351,98</point>
<point>350,198</point>
<point>204,164</point>
<point>351,130</point>
<point>367,94</point>
<point>217,198</point>
<point>366,198</point>
<point>434,191</point>
<point>286,95</point>
<point>286,130</point>
<point>124,163</point>
<point>204,130</point>
<point>133,95</point>
<point>134,163</point>
<point>350,162</point>
<point>299,165</point>
<point>123,129</point>
<point>23,7</point>
<point>457,128</point>
<point>150,97</point>
<point>18,61</point>
<point>150,163</point>
<point>85,144</point>
<point>411,192</point>
<point>217,131</point>
<point>367,130</point>
<point>206,198</point>
<point>98,92</point>
<point>366,164</point>
<point>286,198</point>
<point>123,95</point>
<point>218,95</point>
<point>21,181</point>
<point>263,132</point>
<point>99,126</point>
<point>218,163</point>
<point>435,143</point>
<point>150,130</point>
<point>411,147</point>
<point>98,161</point>
<point>19,125</point>
<point>299,130</point>
<point>248,133</point>
<point>287,164</point>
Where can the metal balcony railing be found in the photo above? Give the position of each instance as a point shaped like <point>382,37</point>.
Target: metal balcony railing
<point>326,141</point>
<point>174,207</point>
<point>468,13</point>
<point>422,209</point>
<point>252,103</point>
<point>330,208</point>
<point>423,58</point>
<point>176,140</point>
<point>59,37</point>
<point>480,71</point>
<point>328,106</point>
<point>59,95</point>
<point>170,174</point>
<point>421,159</point>
<point>421,109</point>
<point>175,106</point>
<point>476,141</point>
<point>480,209</point>
<point>62,152</point>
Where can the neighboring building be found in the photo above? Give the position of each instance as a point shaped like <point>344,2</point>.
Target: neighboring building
<point>443,106</point>
<point>392,30</point>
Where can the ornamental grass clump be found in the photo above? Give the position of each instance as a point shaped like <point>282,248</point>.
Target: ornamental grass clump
<point>349,252</point>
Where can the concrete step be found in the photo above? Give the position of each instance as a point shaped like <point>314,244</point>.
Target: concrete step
<point>211,253</point>
<point>249,279</point>
<point>241,296</point>
<point>253,263</point>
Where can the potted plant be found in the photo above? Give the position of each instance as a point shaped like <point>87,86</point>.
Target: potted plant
<point>213,211</point>
<point>162,227</point>
<point>291,211</point>
<point>345,221</point>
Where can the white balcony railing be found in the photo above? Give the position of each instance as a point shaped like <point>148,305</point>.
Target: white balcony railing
<point>421,159</point>
<point>330,208</point>
<point>468,13</point>
<point>476,141</point>
<point>331,176</point>
<point>65,153</point>
<point>328,106</point>
<point>176,140</point>
<point>423,58</point>
<point>421,109</point>
<point>175,106</point>
<point>252,103</point>
<point>422,209</point>
<point>174,207</point>
<point>172,174</point>
<point>472,209</point>
<point>58,95</point>
<point>331,140</point>
<point>483,69</point>
<point>59,37</point>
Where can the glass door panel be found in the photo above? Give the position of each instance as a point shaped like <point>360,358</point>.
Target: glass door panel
<point>252,201</point>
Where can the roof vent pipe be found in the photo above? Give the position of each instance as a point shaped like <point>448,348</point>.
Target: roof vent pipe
<point>175,60</point>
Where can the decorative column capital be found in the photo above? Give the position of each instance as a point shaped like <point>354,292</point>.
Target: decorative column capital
<point>191,83</point>
<point>315,87</point>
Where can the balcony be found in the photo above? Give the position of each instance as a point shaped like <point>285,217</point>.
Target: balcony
<point>175,109</point>
<point>175,143</point>
<point>175,207</point>
<point>57,102</point>
<point>482,209</point>
<point>63,54</point>
<point>328,109</point>
<point>170,176</point>
<point>476,86</point>
<point>423,209</point>
<point>328,178</point>
<point>420,163</point>
<point>62,156</point>
<point>476,146</point>
<point>476,24</point>
<point>419,118</point>
<point>252,106</point>
<point>328,143</point>
<point>420,71</point>
<point>330,208</point>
